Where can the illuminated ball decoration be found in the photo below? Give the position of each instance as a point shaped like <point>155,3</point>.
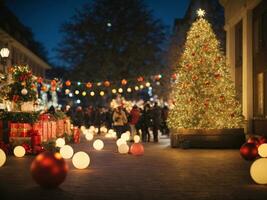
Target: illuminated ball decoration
<point>114,91</point>
<point>60,142</point>
<point>77,92</point>
<point>106,83</point>
<point>89,136</point>
<point>123,149</point>
<point>83,128</point>
<point>120,141</point>
<point>262,150</point>
<point>148,84</point>
<point>136,138</point>
<point>137,149</point>
<point>67,91</point>
<point>141,87</point>
<point>103,129</point>
<point>89,85</point>
<point>258,171</point>
<point>92,93</point>
<point>249,151</point>
<point>2,157</point>
<point>110,131</point>
<point>68,83</point>
<point>102,93</point>
<point>49,169</point>
<point>19,151</point>
<point>24,91</point>
<point>136,88</point>
<point>98,144</point>
<point>84,93</point>
<point>120,90</point>
<point>99,84</point>
<point>129,90</point>
<point>123,81</point>
<point>66,151</point>
<point>125,136</point>
<point>80,160</point>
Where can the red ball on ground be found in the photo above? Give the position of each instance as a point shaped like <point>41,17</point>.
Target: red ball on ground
<point>253,140</point>
<point>249,151</point>
<point>49,169</point>
<point>137,149</point>
<point>262,140</point>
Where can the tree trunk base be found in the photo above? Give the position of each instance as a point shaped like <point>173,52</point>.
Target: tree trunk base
<point>207,138</point>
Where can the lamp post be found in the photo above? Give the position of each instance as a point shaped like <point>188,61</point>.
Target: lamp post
<point>4,52</point>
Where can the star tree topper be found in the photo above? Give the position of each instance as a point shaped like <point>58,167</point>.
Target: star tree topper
<point>201,13</point>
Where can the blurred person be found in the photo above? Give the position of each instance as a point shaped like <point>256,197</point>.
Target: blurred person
<point>119,121</point>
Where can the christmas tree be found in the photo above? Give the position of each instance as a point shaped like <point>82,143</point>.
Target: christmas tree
<point>23,88</point>
<point>204,94</point>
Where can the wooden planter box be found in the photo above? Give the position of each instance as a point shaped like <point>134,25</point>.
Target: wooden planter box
<point>207,138</point>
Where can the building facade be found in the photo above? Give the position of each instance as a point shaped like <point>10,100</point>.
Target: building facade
<point>246,53</point>
<point>21,55</point>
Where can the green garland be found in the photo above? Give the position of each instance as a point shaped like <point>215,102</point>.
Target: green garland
<point>21,117</point>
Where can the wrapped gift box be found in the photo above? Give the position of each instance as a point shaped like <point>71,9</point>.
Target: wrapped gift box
<point>13,129</point>
<point>67,125</point>
<point>44,133</point>
<point>23,129</point>
<point>60,128</point>
<point>53,129</point>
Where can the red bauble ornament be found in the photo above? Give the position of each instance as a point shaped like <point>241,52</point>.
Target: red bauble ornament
<point>123,81</point>
<point>249,151</point>
<point>262,140</point>
<point>89,85</point>
<point>49,169</point>
<point>68,83</point>
<point>137,149</point>
<point>106,83</point>
<point>253,140</point>
<point>140,79</point>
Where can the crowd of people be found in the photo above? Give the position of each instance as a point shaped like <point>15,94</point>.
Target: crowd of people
<point>139,121</point>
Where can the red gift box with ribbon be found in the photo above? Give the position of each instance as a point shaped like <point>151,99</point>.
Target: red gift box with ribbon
<point>23,129</point>
<point>60,128</point>
<point>14,129</point>
<point>35,138</point>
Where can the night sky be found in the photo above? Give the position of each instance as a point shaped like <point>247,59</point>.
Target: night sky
<point>45,17</point>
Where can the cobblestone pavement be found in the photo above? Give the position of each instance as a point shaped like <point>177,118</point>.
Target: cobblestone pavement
<point>162,173</point>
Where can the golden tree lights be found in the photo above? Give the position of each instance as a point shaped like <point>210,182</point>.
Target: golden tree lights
<point>204,93</point>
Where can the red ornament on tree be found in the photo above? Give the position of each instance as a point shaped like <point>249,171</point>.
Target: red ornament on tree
<point>249,151</point>
<point>140,79</point>
<point>89,85</point>
<point>68,83</point>
<point>123,81</point>
<point>49,169</point>
<point>106,83</point>
<point>137,149</point>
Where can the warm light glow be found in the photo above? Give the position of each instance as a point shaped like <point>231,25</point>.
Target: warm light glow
<point>66,151</point>
<point>81,160</point>
<point>89,136</point>
<point>136,88</point>
<point>136,138</point>
<point>67,91</point>
<point>102,93</point>
<point>19,151</point>
<point>103,129</point>
<point>123,148</point>
<point>60,142</point>
<point>76,92</point>
<point>4,52</point>
<point>114,91</point>
<point>84,93</point>
<point>258,171</point>
<point>129,90</point>
<point>120,90</point>
<point>92,93</point>
<point>141,86</point>
<point>262,150</point>
<point>2,157</point>
<point>98,145</point>
<point>120,141</point>
<point>125,136</point>
<point>148,84</point>
<point>83,128</point>
<point>201,13</point>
